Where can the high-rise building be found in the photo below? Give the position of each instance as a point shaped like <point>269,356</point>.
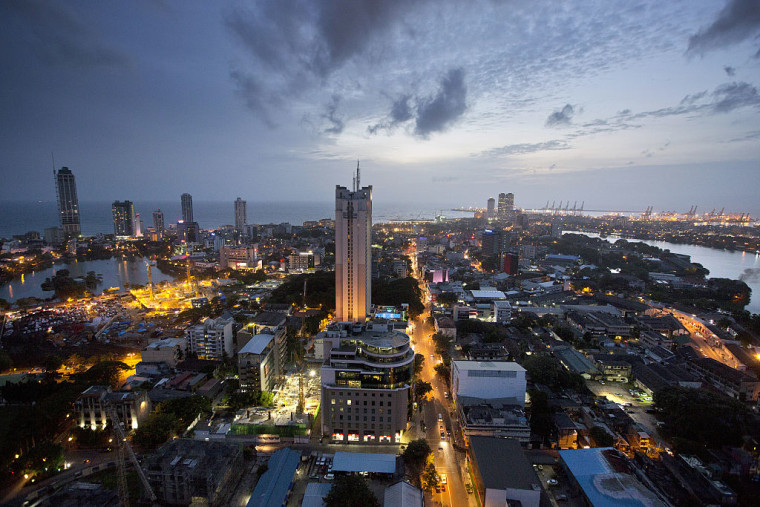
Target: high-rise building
<point>123,218</point>
<point>158,222</point>
<point>68,202</point>
<point>187,208</point>
<point>353,252</point>
<point>491,209</point>
<point>506,205</point>
<point>139,226</point>
<point>240,215</point>
<point>366,379</point>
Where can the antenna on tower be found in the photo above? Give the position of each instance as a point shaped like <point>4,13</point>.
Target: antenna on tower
<point>358,185</point>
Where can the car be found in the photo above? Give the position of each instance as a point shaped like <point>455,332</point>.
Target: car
<point>440,416</point>
<point>443,435</point>
<point>561,498</point>
<point>468,487</point>
<point>437,488</point>
<point>443,488</point>
<point>443,479</point>
<point>552,482</point>
<point>330,476</point>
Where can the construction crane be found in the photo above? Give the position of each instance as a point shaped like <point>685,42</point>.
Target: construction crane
<point>150,279</point>
<point>125,449</point>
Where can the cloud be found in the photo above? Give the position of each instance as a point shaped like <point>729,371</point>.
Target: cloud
<point>730,71</point>
<point>732,96</point>
<point>737,21</point>
<point>437,113</point>
<point>297,45</point>
<point>523,148</point>
<point>331,115</point>
<point>58,36</point>
<point>562,117</point>
<point>401,111</point>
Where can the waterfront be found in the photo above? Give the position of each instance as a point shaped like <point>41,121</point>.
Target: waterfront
<point>721,263</point>
<point>20,217</point>
<point>115,273</point>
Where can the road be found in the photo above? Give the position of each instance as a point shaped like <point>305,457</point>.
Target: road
<point>448,460</point>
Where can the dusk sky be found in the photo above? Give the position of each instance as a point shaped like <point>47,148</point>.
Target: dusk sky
<point>615,103</point>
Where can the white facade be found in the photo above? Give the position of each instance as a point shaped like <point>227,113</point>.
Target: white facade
<point>488,380</point>
<point>212,339</point>
<point>353,253</point>
<point>502,311</point>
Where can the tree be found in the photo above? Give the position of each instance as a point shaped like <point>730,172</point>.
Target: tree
<point>443,371</point>
<point>421,388</point>
<point>601,437</point>
<point>53,363</point>
<point>447,298</point>
<point>5,361</point>
<point>430,477</point>
<point>349,491</point>
<point>415,456</point>
<point>540,414</point>
<point>419,361</point>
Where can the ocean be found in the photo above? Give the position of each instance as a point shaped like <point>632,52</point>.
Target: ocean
<point>21,217</point>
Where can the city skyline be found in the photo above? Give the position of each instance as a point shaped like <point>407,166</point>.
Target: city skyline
<point>635,103</point>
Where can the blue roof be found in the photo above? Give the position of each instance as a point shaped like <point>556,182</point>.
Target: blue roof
<point>602,485</point>
<point>273,487</point>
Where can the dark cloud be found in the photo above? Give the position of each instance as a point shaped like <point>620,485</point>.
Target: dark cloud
<point>522,148</point>
<point>737,21</point>
<point>56,35</point>
<point>401,111</point>
<point>561,117</point>
<point>436,113</point>
<point>331,115</point>
<point>299,44</point>
<point>732,96</point>
<point>730,71</point>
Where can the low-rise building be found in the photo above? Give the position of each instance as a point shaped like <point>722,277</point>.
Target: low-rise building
<point>732,382</point>
<point>184,471</point>
<point>169,350</point>
<point>502,473</point>
<point>132,407</point>
<point>488,380</point>
<point>493,418</point>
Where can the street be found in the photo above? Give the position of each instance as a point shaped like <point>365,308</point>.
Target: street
<point>447,459</point>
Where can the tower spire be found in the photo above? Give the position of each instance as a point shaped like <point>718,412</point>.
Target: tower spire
<point>358,184</point>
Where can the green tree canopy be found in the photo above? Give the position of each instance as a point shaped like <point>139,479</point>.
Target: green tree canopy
<point>350,491</point>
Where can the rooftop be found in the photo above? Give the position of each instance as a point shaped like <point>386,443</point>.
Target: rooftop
<point>273,487</point>
<point>502,464</point>
<point>599,472</point>
<point>257,344</point>
<point>488,365</point>
<point>488,294</point>
<point>364,462</point>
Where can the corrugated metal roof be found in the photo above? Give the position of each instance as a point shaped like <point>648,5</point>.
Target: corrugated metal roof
<point>272,489</point>
<point>364,462</point>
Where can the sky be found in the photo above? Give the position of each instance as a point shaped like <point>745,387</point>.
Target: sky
<point>614,103</point>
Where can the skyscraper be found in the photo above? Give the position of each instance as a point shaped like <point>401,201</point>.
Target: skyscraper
<point>158,222</point>
<point>490,210</point>
<point>187,208</point>
<point>123,218</point>
<point>68,202</point>
<point>240,215</point>
<point>353,252</point>
<point>506,205</point>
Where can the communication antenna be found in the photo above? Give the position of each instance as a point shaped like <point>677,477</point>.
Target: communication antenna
<point>358,185</point>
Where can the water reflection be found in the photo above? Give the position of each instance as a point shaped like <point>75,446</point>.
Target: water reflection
<point>115,273</point>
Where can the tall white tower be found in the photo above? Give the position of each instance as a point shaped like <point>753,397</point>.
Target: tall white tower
<point>353,252</point>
